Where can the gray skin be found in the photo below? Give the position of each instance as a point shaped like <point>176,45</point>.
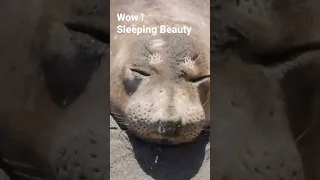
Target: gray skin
<point>160,83</point>
<point>265,99</point>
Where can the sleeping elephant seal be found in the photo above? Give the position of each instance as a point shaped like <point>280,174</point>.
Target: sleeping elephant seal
<point>160,81</point>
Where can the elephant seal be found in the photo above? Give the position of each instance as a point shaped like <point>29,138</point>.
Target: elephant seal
<point>160,83</point>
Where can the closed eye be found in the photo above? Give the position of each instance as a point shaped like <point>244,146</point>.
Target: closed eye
<point>199,79</point>
<point>143,73</point>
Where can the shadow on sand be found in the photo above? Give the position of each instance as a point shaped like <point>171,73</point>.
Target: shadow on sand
<point>170,163</point>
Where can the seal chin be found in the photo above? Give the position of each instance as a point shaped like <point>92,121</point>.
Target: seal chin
<point>163,141</point>
<point>158,138</point>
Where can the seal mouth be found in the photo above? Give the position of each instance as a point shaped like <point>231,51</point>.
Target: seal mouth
<point>164,135</point>
<point>161,141</point>
<point>161,137</point>
<point>157,138</point>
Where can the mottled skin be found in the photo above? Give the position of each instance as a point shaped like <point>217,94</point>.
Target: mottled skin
<point>160,84</point>
<point>250,136</point>
<point>249,37</point>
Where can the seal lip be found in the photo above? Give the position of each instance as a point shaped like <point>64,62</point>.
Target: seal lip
<point>163,142</point>
<point>162,137</point>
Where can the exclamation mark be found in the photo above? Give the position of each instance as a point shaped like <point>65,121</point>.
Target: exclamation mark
<point>141,16</point>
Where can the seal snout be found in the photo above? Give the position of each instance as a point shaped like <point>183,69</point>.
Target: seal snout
<point>169,127</point>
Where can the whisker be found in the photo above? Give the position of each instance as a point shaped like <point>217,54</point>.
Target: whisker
<point>122,122</point>
<point>120,117</point>
<point>122,125</point>
<point>146,56</point>
<point>205,103</point>
<point>115,113</point>
<point>147,48</point>
<point>306,131</point>
<point>197,58</point>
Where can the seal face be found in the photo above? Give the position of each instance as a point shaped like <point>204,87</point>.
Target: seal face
<point>166,81</point>
<point>160,84</point>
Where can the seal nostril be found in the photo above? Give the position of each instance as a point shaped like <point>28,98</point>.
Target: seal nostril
<point>178,123</point>
<point>169,127</point>
<point>161,128</point>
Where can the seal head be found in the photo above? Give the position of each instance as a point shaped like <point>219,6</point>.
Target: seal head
<point>165,83</point>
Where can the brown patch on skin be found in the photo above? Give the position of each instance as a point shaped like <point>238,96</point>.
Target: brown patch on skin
<point>161,82</point>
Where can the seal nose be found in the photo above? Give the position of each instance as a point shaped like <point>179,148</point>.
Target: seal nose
<point>169,127</point>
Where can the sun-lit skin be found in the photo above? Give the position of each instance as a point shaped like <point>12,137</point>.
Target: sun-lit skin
<point>163,88</point>
<point>160,84</point>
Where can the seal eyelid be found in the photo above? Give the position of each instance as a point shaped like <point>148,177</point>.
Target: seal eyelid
<point>198,79</point>
<point>143,73</point>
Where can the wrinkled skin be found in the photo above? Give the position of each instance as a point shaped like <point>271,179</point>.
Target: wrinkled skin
<point>160,83</point>
<point>266,55</point>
